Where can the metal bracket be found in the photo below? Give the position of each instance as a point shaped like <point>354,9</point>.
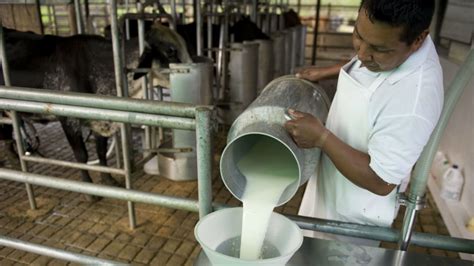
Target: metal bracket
<point>420,202</point>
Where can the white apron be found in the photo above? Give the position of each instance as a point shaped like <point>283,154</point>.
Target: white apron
<point>329,195</point>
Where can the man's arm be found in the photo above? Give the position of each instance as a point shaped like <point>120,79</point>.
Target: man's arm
<point>354,165</point>
<point>308,132</point>
<point>313,73</point>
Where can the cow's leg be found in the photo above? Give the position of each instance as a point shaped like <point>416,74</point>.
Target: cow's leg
<point>101,147</point>
<point>9,153</point>
<point>72,129</point>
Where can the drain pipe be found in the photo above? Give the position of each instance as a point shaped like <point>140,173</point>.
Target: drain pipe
<point>416,196</point>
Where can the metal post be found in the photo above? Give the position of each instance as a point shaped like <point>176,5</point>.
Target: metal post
<point>127,22</point>
<point>199,24</point>
<point>183,18</point>
<point>122,91</point>
<point>209,28</point>
<point>55,23</point>
<point>173,11</point>
<point>422,168</point>
<point>118,160</point>
<point>204,159</point>
<point>16,121</point>
<point>78,9</point>
<point>315,33</point>
<point>40,20</point>
<point>145,88</point>
<point>223,45</point>
<point>254,11</point>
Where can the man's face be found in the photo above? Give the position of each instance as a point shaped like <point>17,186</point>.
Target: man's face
<point>378,45</point>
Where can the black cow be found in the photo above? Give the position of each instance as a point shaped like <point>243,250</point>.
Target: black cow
<point>243,29</point>
<point>84,63</point>
<point>291,19</point>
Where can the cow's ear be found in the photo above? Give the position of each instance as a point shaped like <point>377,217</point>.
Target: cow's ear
<point>145,61</point>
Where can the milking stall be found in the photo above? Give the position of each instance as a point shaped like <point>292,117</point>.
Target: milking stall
<point>236,132</point>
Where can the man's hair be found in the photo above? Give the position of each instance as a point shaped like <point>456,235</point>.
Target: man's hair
<point>413,15</point>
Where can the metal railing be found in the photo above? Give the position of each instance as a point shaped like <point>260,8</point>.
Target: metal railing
<point>123,110</point>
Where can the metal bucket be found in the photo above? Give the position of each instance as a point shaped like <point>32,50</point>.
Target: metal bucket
<point>295,48</point>
<point>298,35</point>
<point>278,54</point>
<point>243,69</point>
<point>302,44</point>
<point>264,118</point>
<point>288,52</point>
<point>265,63</point>
<point>190,83</point>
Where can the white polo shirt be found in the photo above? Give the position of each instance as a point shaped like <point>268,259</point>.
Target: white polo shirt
<point>403,112</point>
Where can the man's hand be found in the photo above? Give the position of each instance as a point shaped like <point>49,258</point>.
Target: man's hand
<point>314,73</point>
<point>306,130</point>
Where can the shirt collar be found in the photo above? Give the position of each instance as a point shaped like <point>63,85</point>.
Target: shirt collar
<point>413,62</point>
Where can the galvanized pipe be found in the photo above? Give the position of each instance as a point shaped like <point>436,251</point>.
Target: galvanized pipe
<point>422,168</point>
<point>145,89</point>
<point>173,10</point>
<point>54,252</point>
<point>383,234</point>
<point>100,190</point>
<point>78,10</point>
<point>15,119</point>
<point>118,63</point>
<point>23,164</point>
<point>103,169</point>
<point>127,168</point>
<point>225,54</point>
<point>117,152</point>
<point>209,29</point>
<point>315,33</point>
<point>122,91</point>
<point>204,160</point>
<point>98,114</point>
<point>254,11</point>
<point>98,101</point>
<point>198,28</point>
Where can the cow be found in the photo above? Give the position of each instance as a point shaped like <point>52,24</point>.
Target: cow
<point>84,63</point>
<point>291,19</point>
<point>244,29</point>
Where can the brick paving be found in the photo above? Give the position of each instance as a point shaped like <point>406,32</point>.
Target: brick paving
<point>163,236</point>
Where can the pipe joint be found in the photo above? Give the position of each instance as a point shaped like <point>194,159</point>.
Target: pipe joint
<point>417,201</point>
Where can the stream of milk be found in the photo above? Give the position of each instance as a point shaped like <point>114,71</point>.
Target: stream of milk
<point>269,168</point>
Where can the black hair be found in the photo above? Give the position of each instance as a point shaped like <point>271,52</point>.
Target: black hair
<point>414,15</point>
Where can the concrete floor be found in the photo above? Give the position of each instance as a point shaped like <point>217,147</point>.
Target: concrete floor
<point>164,236</point>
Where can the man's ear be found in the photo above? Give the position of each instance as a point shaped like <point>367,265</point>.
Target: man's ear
<point>419,40</point>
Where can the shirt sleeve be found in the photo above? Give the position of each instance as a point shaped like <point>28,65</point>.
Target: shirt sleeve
<point>395,144</point>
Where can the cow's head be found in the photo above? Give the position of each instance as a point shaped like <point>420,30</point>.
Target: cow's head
<point>246,30</point>
<point>163,46</point>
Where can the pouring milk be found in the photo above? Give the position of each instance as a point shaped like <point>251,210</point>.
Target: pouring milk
<point>269,168</point>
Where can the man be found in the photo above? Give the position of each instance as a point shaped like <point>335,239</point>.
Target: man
<point>388,101</point>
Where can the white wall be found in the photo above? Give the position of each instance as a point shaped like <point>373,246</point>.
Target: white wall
<point>458,139</point>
